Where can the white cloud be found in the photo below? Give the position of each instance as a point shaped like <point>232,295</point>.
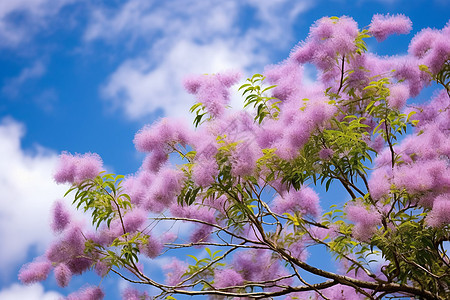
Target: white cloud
<point>28,192</point>
<point>32,292</point>
<point>13,85</point>
<point>187,37</point>
<point>142,89</point>
<point>30,14</point>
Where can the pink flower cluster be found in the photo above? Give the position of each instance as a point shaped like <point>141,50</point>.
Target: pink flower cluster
<point>365,221</point>
<point>132,294</point>
<point>87,293</point>
<point>159,139</point>
<point>175,271</point>
<point>432,47</point>
<point>76,168</point>
<point>305,201</point>
<point>259,265</point>
<point>327,39</point>
<point>154,192</point>
<point>226,278</point>
<point>384,25</point>
<point>212,90</point>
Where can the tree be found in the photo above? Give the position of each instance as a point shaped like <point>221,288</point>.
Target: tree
<point>242,181</point>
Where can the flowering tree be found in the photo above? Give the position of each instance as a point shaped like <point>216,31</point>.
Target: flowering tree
<point>242,182</point>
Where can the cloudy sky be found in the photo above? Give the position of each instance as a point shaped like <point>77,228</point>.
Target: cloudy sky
<point>85,75</point>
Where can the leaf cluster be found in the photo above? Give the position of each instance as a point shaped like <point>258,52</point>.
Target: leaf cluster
<point>265,106</point>
<point>102,196</point>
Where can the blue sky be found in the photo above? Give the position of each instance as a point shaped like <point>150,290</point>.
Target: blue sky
<point>85,75</point>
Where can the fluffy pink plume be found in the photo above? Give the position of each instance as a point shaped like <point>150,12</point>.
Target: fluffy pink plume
<point>399,93</point>
<point>380,182</point>
<point>327,39</point>
<point>35,271</point>
<point>226,278</point>
<point>326,153</point>
<point>60,217</point>
<point>134,219</point>
<point>175,271</point>
<point>365,221</point>
<point>132,294</point>
<point>76,168</point>
<point>287,77</point>
<point>304,200</point>
<point>440,214</point>
<point>384,25</point>
<point>157,136</point>
<point>62,275</point>
<point>164,189</point>
<point>212,90</point>
<point>258,265</point>
<point>87,293</point>
<point>152,248</point>
<point>204,171</point>
<point>70,250</point>
<point>422,42</point>
<point>244,158</point>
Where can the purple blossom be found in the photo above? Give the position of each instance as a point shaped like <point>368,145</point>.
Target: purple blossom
<point>258,265</point>
<point>70,250</point>
<point>78,265</point>
<point>377,143</point>
<point>226,278</point>
<point>205,144</point>
<point>380,182</point>
<point>75,169</point>
<point>160,134</point>
<point>202,233</point>
<point>323,233</point>
<point>155,160</point>
<point>287,77</point>
<point>137,187</point>
<point>366,222</point>
<point>212,90</point>
<point>60,217</point>
<point>399,93</point>
<point>327,38</point>
<point>152,248</point>
<point>35,271</point>
<point>132,294</point>
<point>175,271</point>
<point>422,176</point>
<point>87,293</point>
<point>342,292</point>
<point>168,237</point>
<point>204,171</point>
<point>198,212</point>
<point>101,268</point>
<point>244,159</point>
<point>440,214</point>
<point>439,54</point>
<point>326,153</point>
<point>134,219</point>
<point>407,68</point>
<point>422,42</point>
<point>62,275</point>
<point>166,186</point>
<point>304,200</point>
<point>384,25</point>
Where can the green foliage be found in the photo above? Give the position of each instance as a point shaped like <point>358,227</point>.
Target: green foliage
<point>442,77</point>
<point>200,111</point>
<point>360,44</point>
<point>265,106</point>
<point>204,268</point>
<point>101,196</point>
